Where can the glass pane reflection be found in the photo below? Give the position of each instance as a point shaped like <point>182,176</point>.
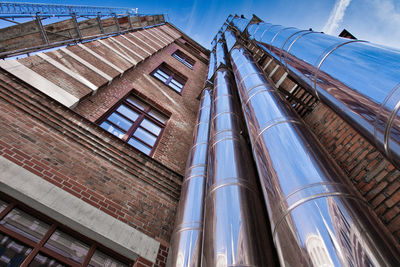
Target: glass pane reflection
<point>100,259</point>
<point>67,246</point>
<point>157,115</point>
<point>108,127</point>
<point>12,253</point>
<point>25,225</point>
<point>128,112</point>
<point>139,145</point>
<point>137,103</point>
<point>145,136</point>
<point>148,125</point>
<point>41,261</point>
<point>120,121</point>
<point>161,77</point>
<point>3,205</point>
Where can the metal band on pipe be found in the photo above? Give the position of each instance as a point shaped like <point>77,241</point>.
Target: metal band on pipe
<point>323,59</point>
<point>388,129</point>
<point>273,39</point>
<point>307,199</point>
<point>274,123</point>
<point>283,46</point>
<point>268,30</point>
<point>250,97</point>
<point>389,123</point>
<point>294,41</point>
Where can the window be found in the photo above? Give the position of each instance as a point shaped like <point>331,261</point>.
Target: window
<point>187,61</point>
<point>30,237</point>
<point>169,77</point>
<point>136,123</point>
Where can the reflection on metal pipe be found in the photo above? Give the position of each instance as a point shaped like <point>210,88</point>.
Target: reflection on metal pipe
<point>220,54</point>
<point>316,217</point>
<point>235,230</point>
<point>240,23</point>
<point>230,39</point>
<point>211,65</point>
<point>358,80</point>
<point>187,236</point>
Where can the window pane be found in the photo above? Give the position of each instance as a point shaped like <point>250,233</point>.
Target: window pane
<point>160,77</point>
<point>176,88</point>
<point>41,260</point>
<point>183,60</point>
<point>162,73</point>
<point>159,116</point>
<point>148,125</point>
<point>139,145</point>
<point>3,205</point>
<point>67,246</point>
<point>179,58</point>
<point>108,127</point>
<point>137,103</point>
<point>99,259</point>
<point>189,62</point>
<point>145,136</point>
<point>175,82</point>
<point>129,113</point>
<point>190,66</point>
<point>26,225</point>
<point>120,121</point>
<point>12,252</point>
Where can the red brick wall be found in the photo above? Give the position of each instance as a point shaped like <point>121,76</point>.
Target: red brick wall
<point>69,151</point>
<point>161,260</point>
<point>175,142</point>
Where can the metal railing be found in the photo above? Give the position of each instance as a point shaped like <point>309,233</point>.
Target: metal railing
<point>14,10</point>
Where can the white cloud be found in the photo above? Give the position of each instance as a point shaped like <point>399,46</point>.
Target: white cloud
<point>336,16</point>
<point>378,21</point>
<point>386,10</point>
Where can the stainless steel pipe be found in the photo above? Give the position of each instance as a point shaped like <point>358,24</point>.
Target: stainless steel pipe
<point>211,65</point>
<point>186,241</point>
<point>235,230</point>
<point>317,218</point>
<point>230,39</point>
<point>360,81</point>
<point>220,54</point>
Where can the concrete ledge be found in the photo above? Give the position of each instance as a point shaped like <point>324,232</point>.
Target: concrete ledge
<point>39,82</point>
<point>75,213</point>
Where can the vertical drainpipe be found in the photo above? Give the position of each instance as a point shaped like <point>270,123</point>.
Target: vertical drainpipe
<point>235,227</point>
<point>186,239</point>
<point>317,218</point>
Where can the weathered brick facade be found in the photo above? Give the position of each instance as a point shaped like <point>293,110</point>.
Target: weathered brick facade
<point>84,160</point>
<point>177,137</point>
<point>66,148</point>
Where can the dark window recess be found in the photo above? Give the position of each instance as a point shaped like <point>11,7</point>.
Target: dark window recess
<point>169,77</point>
<point>136,123</point>
<point>29,237</point>
<point>187,61</point>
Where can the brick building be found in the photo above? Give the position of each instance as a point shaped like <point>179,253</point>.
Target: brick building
<point>95,136</point>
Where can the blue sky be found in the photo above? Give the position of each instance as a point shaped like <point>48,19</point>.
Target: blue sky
<point>377,21</point>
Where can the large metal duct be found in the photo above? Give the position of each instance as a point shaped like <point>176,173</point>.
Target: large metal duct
<point>360,81</point>
<point>211,66</point>
<point>235,229</point>
<point>186,239</point>
<point>317,218</point>
<point>220,54</point>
